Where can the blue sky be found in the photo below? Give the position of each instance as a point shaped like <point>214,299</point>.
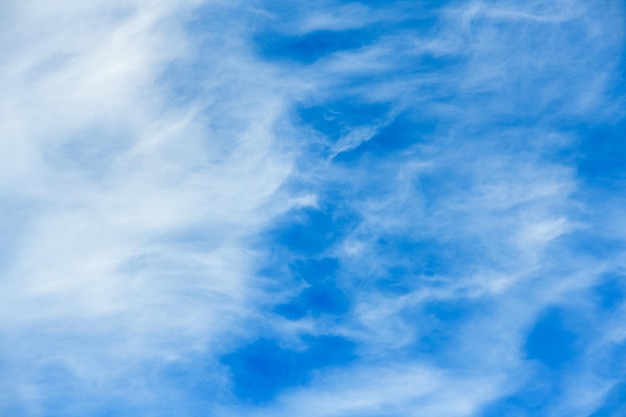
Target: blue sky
<point>314,209</point>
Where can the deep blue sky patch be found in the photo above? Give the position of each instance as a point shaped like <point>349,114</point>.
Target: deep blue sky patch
<point>551,342</point>
<point>263,369</point>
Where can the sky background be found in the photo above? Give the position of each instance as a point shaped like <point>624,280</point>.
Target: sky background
<point>312,208</point>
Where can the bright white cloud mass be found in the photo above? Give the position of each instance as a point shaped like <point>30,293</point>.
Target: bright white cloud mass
<point>312,209</point>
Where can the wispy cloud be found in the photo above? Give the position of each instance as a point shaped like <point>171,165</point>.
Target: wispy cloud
<point>129,249</point>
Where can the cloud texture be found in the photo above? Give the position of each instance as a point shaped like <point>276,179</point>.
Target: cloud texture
<point>343,209</point>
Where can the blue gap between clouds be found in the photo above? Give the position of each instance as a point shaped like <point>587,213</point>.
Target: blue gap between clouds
<point>310,47</point>
<point>610,292</point>
<point>551,341</point>
<point>321,296</point>
<point>303,237</point>
<point>553,345</point>
<point>263,369</point>
<point>602,156</point>
<point>309,231</point>
<point>306,48</point>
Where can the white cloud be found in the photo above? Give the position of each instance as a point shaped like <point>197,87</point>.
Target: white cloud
<point>133,246</point>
